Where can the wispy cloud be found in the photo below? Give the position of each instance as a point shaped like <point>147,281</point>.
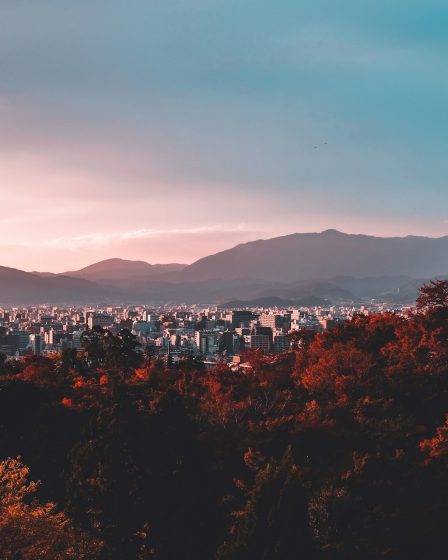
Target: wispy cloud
<point>153,245</point>
<point>130,132</point>
<point>98,239</point>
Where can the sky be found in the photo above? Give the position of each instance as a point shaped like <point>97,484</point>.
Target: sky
<point>166,130</point>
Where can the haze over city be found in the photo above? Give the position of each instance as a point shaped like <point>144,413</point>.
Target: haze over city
<point>166,131</point>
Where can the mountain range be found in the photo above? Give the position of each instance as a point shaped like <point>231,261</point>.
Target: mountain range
<point>329,266</point>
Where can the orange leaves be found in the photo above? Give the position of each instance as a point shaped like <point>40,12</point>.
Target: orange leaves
<point>313,415</point>
<point>433,295</point>
<point>142,374</point>
<point>254,460</point>
<point>67,402</point>
<point>81,382</point>
<point>438,445</point>
<point>336,371</point>
<point>40,374</point>
<point>104,380</point>
<point>30,529</point>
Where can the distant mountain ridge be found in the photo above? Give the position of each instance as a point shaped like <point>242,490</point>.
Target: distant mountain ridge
<point>122,269</point>
<point>331,266</point>
<point>19,287</point>
<point>307,256</point>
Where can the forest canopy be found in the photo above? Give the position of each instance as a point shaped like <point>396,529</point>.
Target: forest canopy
<point>337,449</point>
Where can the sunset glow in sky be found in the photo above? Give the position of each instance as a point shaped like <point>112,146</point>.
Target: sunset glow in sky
<point>166,130</point>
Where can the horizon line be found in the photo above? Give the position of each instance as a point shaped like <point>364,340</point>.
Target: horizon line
<point>186,264</point>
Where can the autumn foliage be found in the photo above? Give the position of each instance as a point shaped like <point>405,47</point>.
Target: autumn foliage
<point>336,450</point>
<point>31,529</point>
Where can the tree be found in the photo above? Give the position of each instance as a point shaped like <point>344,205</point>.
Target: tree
<point>68,361</point>
<point>103,482</point>
<point>273,522</point>
<point>29,529</point>
<point>105,350</point>
<point>433,295</point>
<point>139,479</point>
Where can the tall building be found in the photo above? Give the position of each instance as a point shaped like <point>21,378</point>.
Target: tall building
<point>281,342</point>
<point>271,320</point>
<point>230,343</point>
<point>267,331</point>
<point>36,343</point>
<point>76,340</point>
<point>12,340</point>
<point>258,342</point>
<point>238,317</point>
<point>24,339</point>
<point>206,342</point>
<point>4,347</point>
<point>100,320</point>
<point>327,323</point>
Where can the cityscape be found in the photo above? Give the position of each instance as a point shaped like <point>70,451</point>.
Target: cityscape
<point>173,333</point>
<point>223,280</point>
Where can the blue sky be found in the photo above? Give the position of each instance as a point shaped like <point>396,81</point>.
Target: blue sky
<point>166,130</point>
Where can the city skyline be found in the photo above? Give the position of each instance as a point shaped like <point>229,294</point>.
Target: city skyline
<point>166,131</point>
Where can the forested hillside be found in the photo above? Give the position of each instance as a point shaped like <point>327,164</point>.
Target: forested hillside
<point>336,450</point>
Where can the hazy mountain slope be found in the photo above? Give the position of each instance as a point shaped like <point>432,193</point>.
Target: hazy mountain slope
<point>320,289</point>
<point>123,273</point>
<point>18,287</point>
<point>274,301</point>
<point>119,269</point>
<point>330,266</point>
<point>323,255</point>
